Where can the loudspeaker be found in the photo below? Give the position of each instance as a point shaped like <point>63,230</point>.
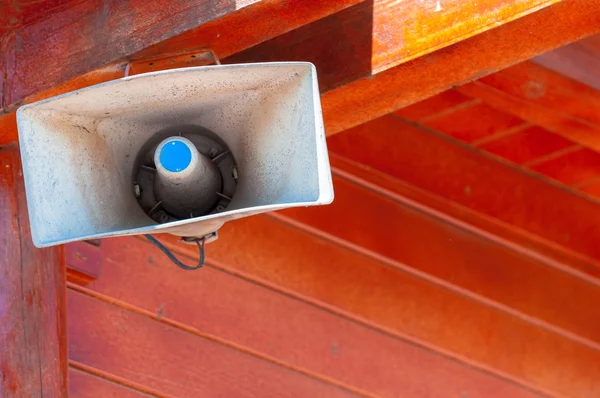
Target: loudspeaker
<point>179,151</point>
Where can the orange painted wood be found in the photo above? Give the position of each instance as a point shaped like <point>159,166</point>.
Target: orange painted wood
<point>83,262</point>
<point>406,305</point>
<point>534,83</point>
<point>474,122</point>
<point>377,35</point>
<point>84,35</point>
<point>90,34</point>
<point>592,188</point>
<point>526,145</point>
<point>270,323</point>
<point>377,96</point>
<point>174,361</point>
<point>444,249</point>
<point>33,359</point>
<point>573,167</point>
<point>85,385</point>
<point>464,175</point>
<point>554,120</point>
<point>442,102</point>
<point>255,24</point>
<point>495,230</point>
<point>413,81</point>
<point>229,34</point>
<point>579,61</point>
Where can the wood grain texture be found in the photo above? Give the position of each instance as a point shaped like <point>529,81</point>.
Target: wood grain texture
<point>462,175</point>
<point>406,305</point>
<point>545,98</point>
<point>473,123</point>
<point>295,15</point>
<point>491,228</point>
<point>377,35</point>
<point>33,360</point>
<point>459,256</point>
<point>573,168</point>
<point>83,261</point>
<point>85,385</point>
<point>490,51</point>
<point>90,34</point>
<point>291,331</point>
<point>526,145</point>
<point>84,34</point>
<point>173,361</point>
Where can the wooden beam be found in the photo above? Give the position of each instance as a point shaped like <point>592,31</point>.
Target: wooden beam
<point>388,45</point>
<point>88,35</point>
<point>371,97</point>
<point>461,174</point>
<point>545,98</point>
<point>33,345</point>
<point>374,36</point>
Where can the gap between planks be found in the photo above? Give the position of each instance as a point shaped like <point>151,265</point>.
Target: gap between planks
<point>215,339</point>
<point>393,333</point>
<point>111,378</point>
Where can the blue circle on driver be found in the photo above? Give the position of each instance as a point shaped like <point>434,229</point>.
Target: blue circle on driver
<point>175,156</point>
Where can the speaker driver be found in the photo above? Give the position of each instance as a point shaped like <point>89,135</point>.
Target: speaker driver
<point>184,172</point>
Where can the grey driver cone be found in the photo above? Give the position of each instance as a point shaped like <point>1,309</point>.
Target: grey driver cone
<point>187,182</point>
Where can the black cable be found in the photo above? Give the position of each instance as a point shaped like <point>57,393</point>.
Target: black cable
<point>199,242</point>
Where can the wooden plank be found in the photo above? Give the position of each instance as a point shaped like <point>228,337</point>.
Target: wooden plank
<point>411,306</point>
<point>90,34</point>
<point>545,98</point>
<point>229,34</point>
<point>372,97</point>
<point>461,174</point>
<point>83,261</point>
<point>85,385</point>
<point>33,359</point>
<point>473,123</point>
<point>554,120</point>
<point>527,145</point>
<point>375,96</point>
<point>377,35</point>
<point>495,230</point>
<point>466,258</point>
<point>572,168</point>
<point>84,36</point>
<point>173,361</point>
<point>228,305</point>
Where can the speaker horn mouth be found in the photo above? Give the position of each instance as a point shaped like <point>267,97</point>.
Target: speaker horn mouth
<point>184,172</point>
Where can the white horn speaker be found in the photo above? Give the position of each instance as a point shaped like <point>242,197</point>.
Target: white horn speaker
<point>179,151</point>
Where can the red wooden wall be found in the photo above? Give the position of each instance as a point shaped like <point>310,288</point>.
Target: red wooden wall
<point>447,266</point>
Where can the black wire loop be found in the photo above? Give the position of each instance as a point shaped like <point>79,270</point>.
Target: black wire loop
<point>198,241</point>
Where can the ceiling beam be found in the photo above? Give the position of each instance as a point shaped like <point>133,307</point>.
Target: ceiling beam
<point>545,98</point>
<point>88,35</point>
<point>374,37</point>
<point>371,97</point>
